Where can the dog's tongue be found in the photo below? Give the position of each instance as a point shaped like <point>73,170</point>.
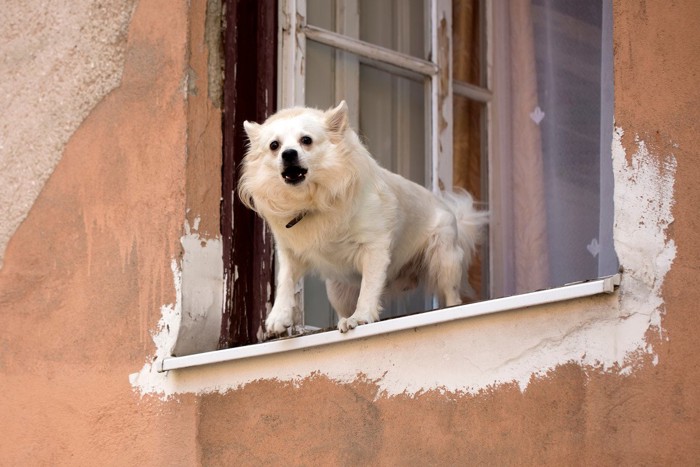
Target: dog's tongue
<point>294,174</point>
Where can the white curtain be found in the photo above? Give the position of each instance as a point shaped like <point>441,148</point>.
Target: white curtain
<point>551,170</point>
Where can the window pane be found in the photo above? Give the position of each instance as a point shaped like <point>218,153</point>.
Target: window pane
<point>393,126</point>
<point>392,123</point>
<point>467,41</point>
<point>552,191</point>
<point>321,13</point>
<point>320,93</point>
<point>320,75</point>
<point>400,25</point>
<point>568,50</point>
<point>392,113</point>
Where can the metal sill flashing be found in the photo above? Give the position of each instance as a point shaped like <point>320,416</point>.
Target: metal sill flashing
<point>428,318</point>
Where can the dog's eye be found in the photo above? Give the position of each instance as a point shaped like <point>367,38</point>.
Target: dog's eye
<point>306,140</point>
<point>274,145</point>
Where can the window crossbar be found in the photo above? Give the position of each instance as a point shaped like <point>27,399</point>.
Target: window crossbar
<point>470,91</point>
<point>370,51</point>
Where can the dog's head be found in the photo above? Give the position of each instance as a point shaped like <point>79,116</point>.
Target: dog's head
<point>291,156</point>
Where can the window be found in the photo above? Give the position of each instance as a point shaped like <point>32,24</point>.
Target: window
<point>551,168</point>
<point>510,100</point>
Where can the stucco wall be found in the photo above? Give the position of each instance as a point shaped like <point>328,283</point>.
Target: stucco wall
<point>56,64</point>
<point>96,265</point>
<point>87,272</point>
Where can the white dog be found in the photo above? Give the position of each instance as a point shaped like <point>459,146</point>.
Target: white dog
<point>334,211</point>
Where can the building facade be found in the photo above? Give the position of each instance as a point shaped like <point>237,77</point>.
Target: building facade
<point>111,241</point>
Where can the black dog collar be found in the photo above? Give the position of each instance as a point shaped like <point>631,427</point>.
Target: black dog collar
<point>296,220</point>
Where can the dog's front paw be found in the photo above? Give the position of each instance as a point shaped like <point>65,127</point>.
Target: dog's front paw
<point>279,320</point>
<point>345,324</point>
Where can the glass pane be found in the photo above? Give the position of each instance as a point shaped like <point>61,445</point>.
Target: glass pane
<point>392,113</point>
<point>553,147</point>
<point>320,76</point>
<point>318,312</point>
<point>392,124</point>
<point>568,56</point>
<point>467,41</point>
<point>321,13</point>
<point>400,25</point>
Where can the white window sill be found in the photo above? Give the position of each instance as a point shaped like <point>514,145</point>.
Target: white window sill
<point>567,292</point>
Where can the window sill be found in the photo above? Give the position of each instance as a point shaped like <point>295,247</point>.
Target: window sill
<point>542,297</point>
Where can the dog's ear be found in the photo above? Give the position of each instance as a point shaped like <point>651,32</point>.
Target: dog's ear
<point>337,121</point>
<point>252,129</point>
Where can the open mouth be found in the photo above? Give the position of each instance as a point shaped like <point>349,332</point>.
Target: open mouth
<point>294,174</point>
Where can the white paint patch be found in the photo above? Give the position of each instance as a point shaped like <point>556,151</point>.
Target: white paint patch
<point>643,211</point>
<point>148,380</point>
<point>202,293</point>
<point>199,292</point>
<point>605,333</point>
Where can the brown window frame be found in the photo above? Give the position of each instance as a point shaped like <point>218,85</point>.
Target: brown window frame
<point>250,88</point>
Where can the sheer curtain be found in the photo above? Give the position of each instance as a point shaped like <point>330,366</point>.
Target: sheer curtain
<point>551,169</point>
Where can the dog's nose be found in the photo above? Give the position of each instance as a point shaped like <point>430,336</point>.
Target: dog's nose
<point>290,156</point>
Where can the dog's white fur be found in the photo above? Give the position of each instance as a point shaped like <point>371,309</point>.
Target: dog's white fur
<point>366,231</point>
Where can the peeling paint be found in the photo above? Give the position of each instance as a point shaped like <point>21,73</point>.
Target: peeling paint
<point>148,380</point>
<point>603,333</point>
<point>643,211</point>
<point>192,324</point>
<point>202,292</point>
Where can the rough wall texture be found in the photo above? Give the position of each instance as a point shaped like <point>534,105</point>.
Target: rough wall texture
<point>204,83</point>
<point>86,273</point>
<point>57,60</point>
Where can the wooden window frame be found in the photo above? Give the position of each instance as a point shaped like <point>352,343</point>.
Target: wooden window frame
<point>250,85</point>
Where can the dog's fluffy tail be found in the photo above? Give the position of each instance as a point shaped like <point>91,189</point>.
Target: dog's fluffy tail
<point>471,228</point>
<point>471,223</point>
